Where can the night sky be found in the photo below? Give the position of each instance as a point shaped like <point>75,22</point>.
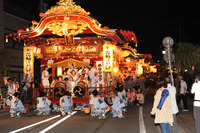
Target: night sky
<point>151,21</point>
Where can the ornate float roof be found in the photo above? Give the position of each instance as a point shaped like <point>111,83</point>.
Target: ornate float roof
<point>66,19</point>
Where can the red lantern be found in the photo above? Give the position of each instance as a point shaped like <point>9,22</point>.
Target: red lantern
<point>87,110</point>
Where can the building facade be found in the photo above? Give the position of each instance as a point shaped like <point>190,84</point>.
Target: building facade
<point>11,53</point>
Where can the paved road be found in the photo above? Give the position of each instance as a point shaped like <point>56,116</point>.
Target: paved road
<point>81,122</point>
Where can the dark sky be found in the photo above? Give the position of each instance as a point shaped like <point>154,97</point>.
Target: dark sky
<point>151,21</point>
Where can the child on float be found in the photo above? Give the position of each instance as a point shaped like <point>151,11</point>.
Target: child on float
<point>43,104</point>
<point>66,103</point>
<point>118,108</point>
<point>98,106</point>
<point>140,97</point>
<point>16,106</point>
<point>65,75</point>
<point>53,83</point>
<point>71,85</point>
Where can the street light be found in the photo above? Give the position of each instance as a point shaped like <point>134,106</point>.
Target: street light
<point>163,52</point>
<point>168,42</point>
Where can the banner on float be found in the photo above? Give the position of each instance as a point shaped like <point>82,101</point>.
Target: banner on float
<point>28,56</point>
<point>107,57</point>
<point>99,65</point>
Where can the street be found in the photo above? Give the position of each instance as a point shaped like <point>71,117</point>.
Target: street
<point>81,122</point>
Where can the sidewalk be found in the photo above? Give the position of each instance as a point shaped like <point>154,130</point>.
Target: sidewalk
<point>185,119</point>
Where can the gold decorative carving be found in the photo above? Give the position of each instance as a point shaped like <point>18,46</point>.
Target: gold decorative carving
<point>66,6</point>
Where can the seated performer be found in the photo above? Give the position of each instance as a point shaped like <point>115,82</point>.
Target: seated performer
<point>66,103</point>
<point>16,106</point>
<point>118,107</point>
<point>98,106</point>
<point>43,104</point>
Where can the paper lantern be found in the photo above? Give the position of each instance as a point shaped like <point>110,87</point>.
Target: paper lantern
<point>108,108</point>
<point>87,110</point>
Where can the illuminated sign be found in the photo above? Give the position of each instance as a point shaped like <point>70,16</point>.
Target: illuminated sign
<point>29,60</point>
<point>99,65</point>
<point>107,57</point>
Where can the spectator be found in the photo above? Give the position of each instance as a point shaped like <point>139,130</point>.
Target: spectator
<point>196,107</point>
<point>9,91</point>
<point>183,95</point>
<point>142,81</point>
<point>162,108</point>
<point>172,91</point>
<point>15,84</point>
<point>129,83</point>
<point>23,96</point>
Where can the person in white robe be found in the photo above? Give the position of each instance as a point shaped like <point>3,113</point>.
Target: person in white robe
<point>43,104</point>
<point>118,107</point>
<point>93,76</point>
<point>16,106</point>
<point>9,91</point>
<point>45,77</point>
<point>66,104</point>
<point>53,83</point>
<point>71,85</point>
<point>71,68</point>
<point>98,105</point>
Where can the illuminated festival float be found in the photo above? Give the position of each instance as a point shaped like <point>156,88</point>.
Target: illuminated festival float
<point>66,34</point>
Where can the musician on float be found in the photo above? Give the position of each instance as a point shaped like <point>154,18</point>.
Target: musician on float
<point>71,84</point>
<point>71,68</point>
<point>65,75</point>
<point>82,78</point>
<point>74,75</point>
<point>53,83</point>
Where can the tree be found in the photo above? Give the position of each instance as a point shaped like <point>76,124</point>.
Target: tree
<point>186,58</point>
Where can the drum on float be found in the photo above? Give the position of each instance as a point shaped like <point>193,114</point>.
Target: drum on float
<point>80,88</point>
<point>59,89</point>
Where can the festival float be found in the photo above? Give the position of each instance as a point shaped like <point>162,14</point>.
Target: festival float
<point>67,34</point>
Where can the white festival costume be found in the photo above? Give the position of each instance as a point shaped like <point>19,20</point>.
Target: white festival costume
<point>16,106</point>
<point>10,91</point>
<point>99,106</point>
<point>117,107</point>
<point>93,77</point>
<point>43,104</point>
<point>45,78</point>
<point>66,104</point>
